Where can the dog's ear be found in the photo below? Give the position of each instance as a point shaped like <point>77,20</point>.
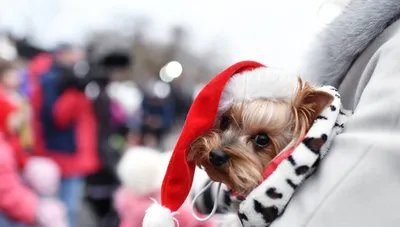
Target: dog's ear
<point>311,101</point>
<point>317,101</point>
<point>307,105</point>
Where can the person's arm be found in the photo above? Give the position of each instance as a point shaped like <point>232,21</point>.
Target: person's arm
<point>68,107</point>
<point>16,200</point>
<point>74,107</point>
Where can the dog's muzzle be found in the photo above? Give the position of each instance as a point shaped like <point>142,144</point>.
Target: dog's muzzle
<point>218,157</point>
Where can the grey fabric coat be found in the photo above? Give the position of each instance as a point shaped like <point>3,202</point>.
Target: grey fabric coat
<point>358,182</point>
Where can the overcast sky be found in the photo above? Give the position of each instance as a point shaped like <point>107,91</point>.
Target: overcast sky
<point>273,32</point>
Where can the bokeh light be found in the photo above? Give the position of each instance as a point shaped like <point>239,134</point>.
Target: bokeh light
<point>164,76</point>
<point>161,89</point>
<point>171,71</point>
<point>174,69</point>
<point>92,90</point>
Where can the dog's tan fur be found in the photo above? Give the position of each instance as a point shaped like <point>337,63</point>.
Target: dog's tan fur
<point>285,123</point>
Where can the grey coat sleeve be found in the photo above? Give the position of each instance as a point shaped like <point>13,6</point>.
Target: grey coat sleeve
<point>357,183</point>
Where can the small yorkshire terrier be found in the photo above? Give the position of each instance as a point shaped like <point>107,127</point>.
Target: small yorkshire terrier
<point>251,133</point>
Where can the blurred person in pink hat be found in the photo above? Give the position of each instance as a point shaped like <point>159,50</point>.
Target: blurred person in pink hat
<point>43,176</point>
<point>141,170</point>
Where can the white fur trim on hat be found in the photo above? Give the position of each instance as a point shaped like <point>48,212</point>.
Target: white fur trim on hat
<point>258,83</point>
<point>158,216</point>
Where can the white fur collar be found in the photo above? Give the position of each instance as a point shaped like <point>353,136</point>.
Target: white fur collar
<point>340,43</point>
<point>269,200</point>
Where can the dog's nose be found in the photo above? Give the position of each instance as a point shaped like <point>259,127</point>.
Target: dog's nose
<point>218,157</point>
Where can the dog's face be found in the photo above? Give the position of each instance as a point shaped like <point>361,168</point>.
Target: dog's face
<point>250,134</point>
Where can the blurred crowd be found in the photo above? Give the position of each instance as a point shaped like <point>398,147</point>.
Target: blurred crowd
<point>66,128</point>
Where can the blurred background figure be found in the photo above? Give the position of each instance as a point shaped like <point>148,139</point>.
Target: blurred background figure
<point>65,124</point>
<point>142,181</point>
<point>43,176</point>
<point>158,113</point>
<point>21,205</point>
<point>106,61</point>
<point>127,112</point>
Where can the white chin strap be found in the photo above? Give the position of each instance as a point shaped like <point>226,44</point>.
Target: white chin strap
<point>214,209</point>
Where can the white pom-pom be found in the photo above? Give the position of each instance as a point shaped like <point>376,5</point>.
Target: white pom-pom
<point>159,216</point>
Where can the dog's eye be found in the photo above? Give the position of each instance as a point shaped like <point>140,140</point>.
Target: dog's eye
<point>224,123</point>
<point>261,140</point>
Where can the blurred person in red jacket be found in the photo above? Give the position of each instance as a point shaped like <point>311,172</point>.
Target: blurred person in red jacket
<point>19,205</point>
<point>65,125</point>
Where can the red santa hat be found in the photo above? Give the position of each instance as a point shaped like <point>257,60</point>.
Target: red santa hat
<point>245,80</point>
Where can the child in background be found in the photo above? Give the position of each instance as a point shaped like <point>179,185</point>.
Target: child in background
<point>141,170</point>
<point>44,176</point>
